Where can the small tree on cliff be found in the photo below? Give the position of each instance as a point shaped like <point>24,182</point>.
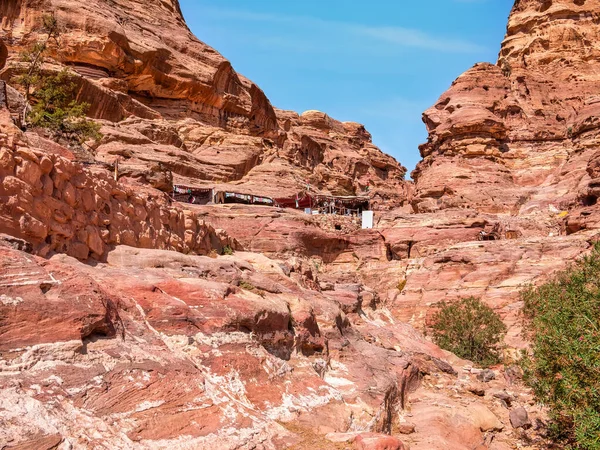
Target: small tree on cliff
<point>52,95</point>
<point>469,329</point>
<point>31,76</point>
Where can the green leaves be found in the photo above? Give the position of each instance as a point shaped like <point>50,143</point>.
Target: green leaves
<point>55,109</point>
<point>470,329</point>
<point>563,366</point>
<point>53,95</point>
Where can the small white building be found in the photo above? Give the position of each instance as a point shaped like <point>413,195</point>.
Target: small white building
<point>367,220</point>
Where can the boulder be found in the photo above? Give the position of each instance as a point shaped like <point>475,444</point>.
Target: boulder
<point>519,418</point>
<point>373,441</point>
<point>486,376</point>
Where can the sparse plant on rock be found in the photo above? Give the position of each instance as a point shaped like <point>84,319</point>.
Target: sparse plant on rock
<point>506,68</point>
<point>53,95</point>
<point>227,250</point>
<point>246,285</point>
<point>401,284</point>
<point>563,366</point>
<point>470,329</point>
<point>34,58</point>
<point>55,110</point>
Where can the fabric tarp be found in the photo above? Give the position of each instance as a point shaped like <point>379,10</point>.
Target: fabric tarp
<point>295,202</point>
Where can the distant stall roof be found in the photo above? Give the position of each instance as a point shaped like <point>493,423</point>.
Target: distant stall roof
<point>194,195</point>
<point>306,200</point>
<point>181,189</point>
<point>229,196</point>
<point>299,201</point>
<point>347,199</point>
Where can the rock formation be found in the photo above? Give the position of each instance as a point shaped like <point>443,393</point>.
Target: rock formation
<point>517,136</point>
<point>169,100</point>
<point>61,206</point>
<point>128,320</point>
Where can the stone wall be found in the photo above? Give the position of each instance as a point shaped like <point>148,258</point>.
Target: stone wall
<point>61,206</point>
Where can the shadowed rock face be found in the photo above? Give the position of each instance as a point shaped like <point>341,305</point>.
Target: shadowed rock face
<point>3,54</point>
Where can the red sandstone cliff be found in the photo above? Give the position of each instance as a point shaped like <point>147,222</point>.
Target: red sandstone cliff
<point>170,101</point>
<point>114,332</point>
<point>517,136</point>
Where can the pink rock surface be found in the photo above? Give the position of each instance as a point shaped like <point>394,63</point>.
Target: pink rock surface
<point>517,136</point>
<point>370,441</point>
<point>122,326</point>
<point>154,345</point>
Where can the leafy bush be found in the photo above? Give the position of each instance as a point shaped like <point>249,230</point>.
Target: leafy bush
<point>53,95</point>
<point>227,250</point>
<point>563,366</point>
<point>469,329</point>
<point>55,110</point>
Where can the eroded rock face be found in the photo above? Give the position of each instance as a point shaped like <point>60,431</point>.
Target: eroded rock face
<point>149,348</point>
<point>147,46</point>
<point>309,338</point>
<point>518,135</point>
<point>3,54</point>
<point>517,142</point>
<point>413,262</point>
<point>172,102</point>
<point>154,345</point>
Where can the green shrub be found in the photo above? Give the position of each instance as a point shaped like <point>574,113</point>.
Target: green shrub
<point>248,286</point>
<point>469,329</point>
<point>563,365</point>
<point>55,110</point>
<point>227,250</point>
<point>53,96</point>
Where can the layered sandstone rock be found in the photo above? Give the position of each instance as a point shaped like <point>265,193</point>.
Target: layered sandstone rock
<point>145,50</point>
<point>309,339</point>
<point>171,103</point>
<point>517,136</point>
<point>413,262</point>
<point>60,206</point>
<point>155,349</point>
<point>517,143</point>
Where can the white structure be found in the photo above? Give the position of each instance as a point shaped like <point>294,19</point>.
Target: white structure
<point>367,220</point>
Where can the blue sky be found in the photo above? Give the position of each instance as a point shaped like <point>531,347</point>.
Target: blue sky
<point>378,62</point>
